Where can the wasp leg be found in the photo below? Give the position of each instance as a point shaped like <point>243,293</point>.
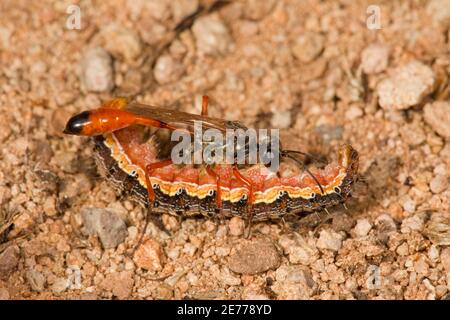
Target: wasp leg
<point>204,106</point>
<point>156,220</point>
<point>249,185</point>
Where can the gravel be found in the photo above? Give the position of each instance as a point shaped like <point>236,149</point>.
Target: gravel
<point>439,184</point>
<point>121,42</point>
<point>106,224</point>
<point>295,274</point>
<point>4,294</point>
<point>211,35</point>
<point>329,240</point>
<point>308,46</point>
<point>362,227</point>
<point>406,86</point>
<point>414,223</point>
<point>298,250</point>
<point>119,283</point>
<point>150,256</point>
<point>375,58</point>
<point>36,280</point>
<point>183,8</point>
<point>236,226</point>
<point>97,74</point>
<point>167,69</point>
<point>9,259</point>
<point>437,116</point>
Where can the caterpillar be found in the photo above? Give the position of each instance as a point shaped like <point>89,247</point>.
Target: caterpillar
<point>131,156</point>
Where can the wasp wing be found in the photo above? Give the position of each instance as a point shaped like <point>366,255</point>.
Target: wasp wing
<point>179,119</point>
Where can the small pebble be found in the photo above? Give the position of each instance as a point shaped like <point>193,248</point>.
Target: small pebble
<point>439,184</point>
<point>97,71</point>
<point>60,285</point>
<point>354,112</point>
<point>406,87</point>
<point>421,267</point>
<point>437,115</point>
<point>439,10</point>
<point>236,226</point>
<point>189,249</point>
<point>374,58</point>
<point>414,223</point>
<point>343,222</point>
<point>150,256</point>
<point>445,259</point>
<point>257,9</point>
<point>254,257</point>
<point>281,120</point>
<point>222,251</point>
<point>158,9</point>
<point>122,42</point>
<point>433,253</point>
<point>106,224</point>
<point>413,134</point>
<point>211,35</point>
<point>408,204</point>
<point>36,280</point>
<point>164,292</point>
<point>295,274</point>
<point>167,69</point>
<point>120,284</point>
<point>229,279</point>
<point>4,294</point>
<point>362,227</point>
<point>299,251</point>
<point>329,133</point>
<point>9,260</point>
<point>308,46</point>
<point>183,8</point>
<point>329,240</point>
<point>403,249</point>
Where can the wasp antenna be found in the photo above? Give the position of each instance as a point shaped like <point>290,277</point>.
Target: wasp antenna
<point>306,154</point>
<point>283,154</point>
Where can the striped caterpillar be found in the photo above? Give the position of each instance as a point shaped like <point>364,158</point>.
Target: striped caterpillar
<point>133,160</point>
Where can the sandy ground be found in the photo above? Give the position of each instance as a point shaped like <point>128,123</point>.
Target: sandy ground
<point>324,72</point>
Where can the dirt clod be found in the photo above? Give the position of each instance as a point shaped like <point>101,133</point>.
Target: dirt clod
<point>253,257</point>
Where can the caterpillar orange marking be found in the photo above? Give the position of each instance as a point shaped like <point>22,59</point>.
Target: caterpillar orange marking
<point>136,161</point>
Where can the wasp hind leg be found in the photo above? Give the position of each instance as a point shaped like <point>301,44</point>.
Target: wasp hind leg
<point>205,106</point>
<point>150,217</point>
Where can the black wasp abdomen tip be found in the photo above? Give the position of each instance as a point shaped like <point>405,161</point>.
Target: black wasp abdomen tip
<point>76,124</point>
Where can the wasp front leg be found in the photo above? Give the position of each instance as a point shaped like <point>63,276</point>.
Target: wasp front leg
<point>157,221</point>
